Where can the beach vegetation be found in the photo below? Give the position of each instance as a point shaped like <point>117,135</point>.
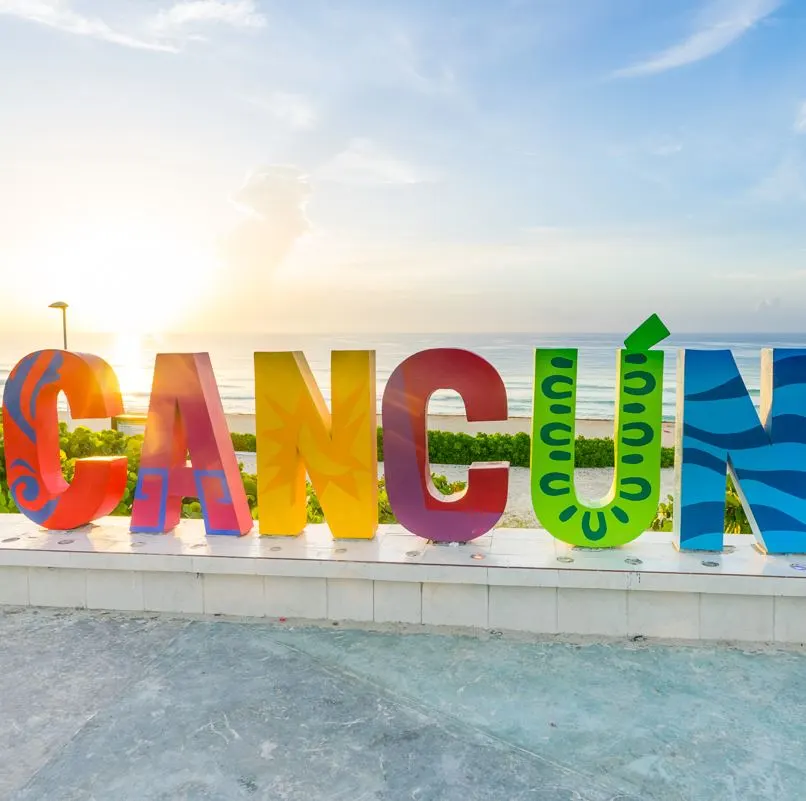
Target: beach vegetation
<point>736,521</point>
<point>448,447</point>
<point>444,448</point>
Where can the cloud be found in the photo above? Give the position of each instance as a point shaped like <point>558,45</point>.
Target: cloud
<point>273,198</point>
<point>236,13</point>
<point>800,119</point>
<point>163,32</point>
<point>294,110</point>
<point>366,163</point>
<point>768,306</point>
<point>720,24</point>
<point>60,16</point>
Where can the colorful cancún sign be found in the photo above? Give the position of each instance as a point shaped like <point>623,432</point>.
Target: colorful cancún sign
<point>187,451</point>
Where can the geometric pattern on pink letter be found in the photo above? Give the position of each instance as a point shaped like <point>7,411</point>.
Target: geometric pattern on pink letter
<point>186,418</point>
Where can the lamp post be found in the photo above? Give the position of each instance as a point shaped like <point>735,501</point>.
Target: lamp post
<point>60,304</point>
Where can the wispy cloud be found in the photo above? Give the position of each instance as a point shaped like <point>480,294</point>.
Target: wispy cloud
<point>60,16</point>
<point>800,119</point>
<point>294,110</point>
<point>273,198</point>
<point>404,56</point>
<point>365,162</point>
<point>236,13</point>
<point>719,25</point>
<point>669,147</point>
<point>164,31</point>
<point>770,308</point>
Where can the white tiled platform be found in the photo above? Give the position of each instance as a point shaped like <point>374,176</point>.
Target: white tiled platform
<point>511,579</point>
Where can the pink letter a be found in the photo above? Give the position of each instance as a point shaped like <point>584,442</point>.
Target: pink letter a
<point>186,418</point>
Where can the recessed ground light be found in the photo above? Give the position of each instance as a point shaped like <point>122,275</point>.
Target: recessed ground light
<point>798,566</point>
<point>564,559</point>
<point>709,563</point>
<point>199,545</point>
<point>66,542</point>
<point>10,539</point>
<point>477,556</point>
<point>275,548</point>
<point>729,549</point>
<point>634,561</point>
<point>340,550</point>
<point>138,544</point>
<point>412,554</point>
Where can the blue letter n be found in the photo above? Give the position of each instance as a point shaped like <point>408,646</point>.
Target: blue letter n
<point>719,430</point>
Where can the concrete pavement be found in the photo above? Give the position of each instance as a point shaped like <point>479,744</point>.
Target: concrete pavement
<point>143,707</point>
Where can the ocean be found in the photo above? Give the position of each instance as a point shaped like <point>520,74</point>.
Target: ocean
<point>511,354</point>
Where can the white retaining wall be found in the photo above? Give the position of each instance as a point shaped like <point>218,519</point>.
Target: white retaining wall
<point>510,579</point>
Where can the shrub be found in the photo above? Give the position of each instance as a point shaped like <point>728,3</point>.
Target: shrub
<point>446,447</point>
<point>244,443</point>
<point>736,521</point>
<point>449,447</point>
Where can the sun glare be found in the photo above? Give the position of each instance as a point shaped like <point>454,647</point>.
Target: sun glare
<point>129,279</point>
<point>133,364</point>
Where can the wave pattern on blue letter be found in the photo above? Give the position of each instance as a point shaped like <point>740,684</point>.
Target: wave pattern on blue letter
<point>719,431</point>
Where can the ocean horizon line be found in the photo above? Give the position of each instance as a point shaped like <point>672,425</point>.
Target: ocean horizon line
<point>617,334</point>
<point>512,355</point>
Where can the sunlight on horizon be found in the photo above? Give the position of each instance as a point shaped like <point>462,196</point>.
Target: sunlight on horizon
<point>133,365</point>
<point>127,278</point>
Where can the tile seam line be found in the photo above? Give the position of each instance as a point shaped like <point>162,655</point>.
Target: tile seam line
<point>404,701</point>
<point>16,791</point>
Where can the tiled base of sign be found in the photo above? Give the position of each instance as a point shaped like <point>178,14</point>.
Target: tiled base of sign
<point>512,579</point>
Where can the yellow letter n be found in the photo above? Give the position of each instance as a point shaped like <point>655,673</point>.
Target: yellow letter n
<point>296,433</point>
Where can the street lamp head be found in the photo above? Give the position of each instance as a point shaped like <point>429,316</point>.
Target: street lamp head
<point>61,305</point>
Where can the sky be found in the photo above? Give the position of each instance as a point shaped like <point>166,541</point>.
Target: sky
<point>377,166</point>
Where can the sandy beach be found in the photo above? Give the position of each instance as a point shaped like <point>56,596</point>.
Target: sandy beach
<point>245,424</point>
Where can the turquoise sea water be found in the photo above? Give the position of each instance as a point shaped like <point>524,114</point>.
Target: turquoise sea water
<point>511,354</point>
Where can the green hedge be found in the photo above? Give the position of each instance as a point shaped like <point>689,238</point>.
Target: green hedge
<point>447,447</point>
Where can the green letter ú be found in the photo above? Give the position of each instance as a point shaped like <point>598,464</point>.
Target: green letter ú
<point>632,503</point>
